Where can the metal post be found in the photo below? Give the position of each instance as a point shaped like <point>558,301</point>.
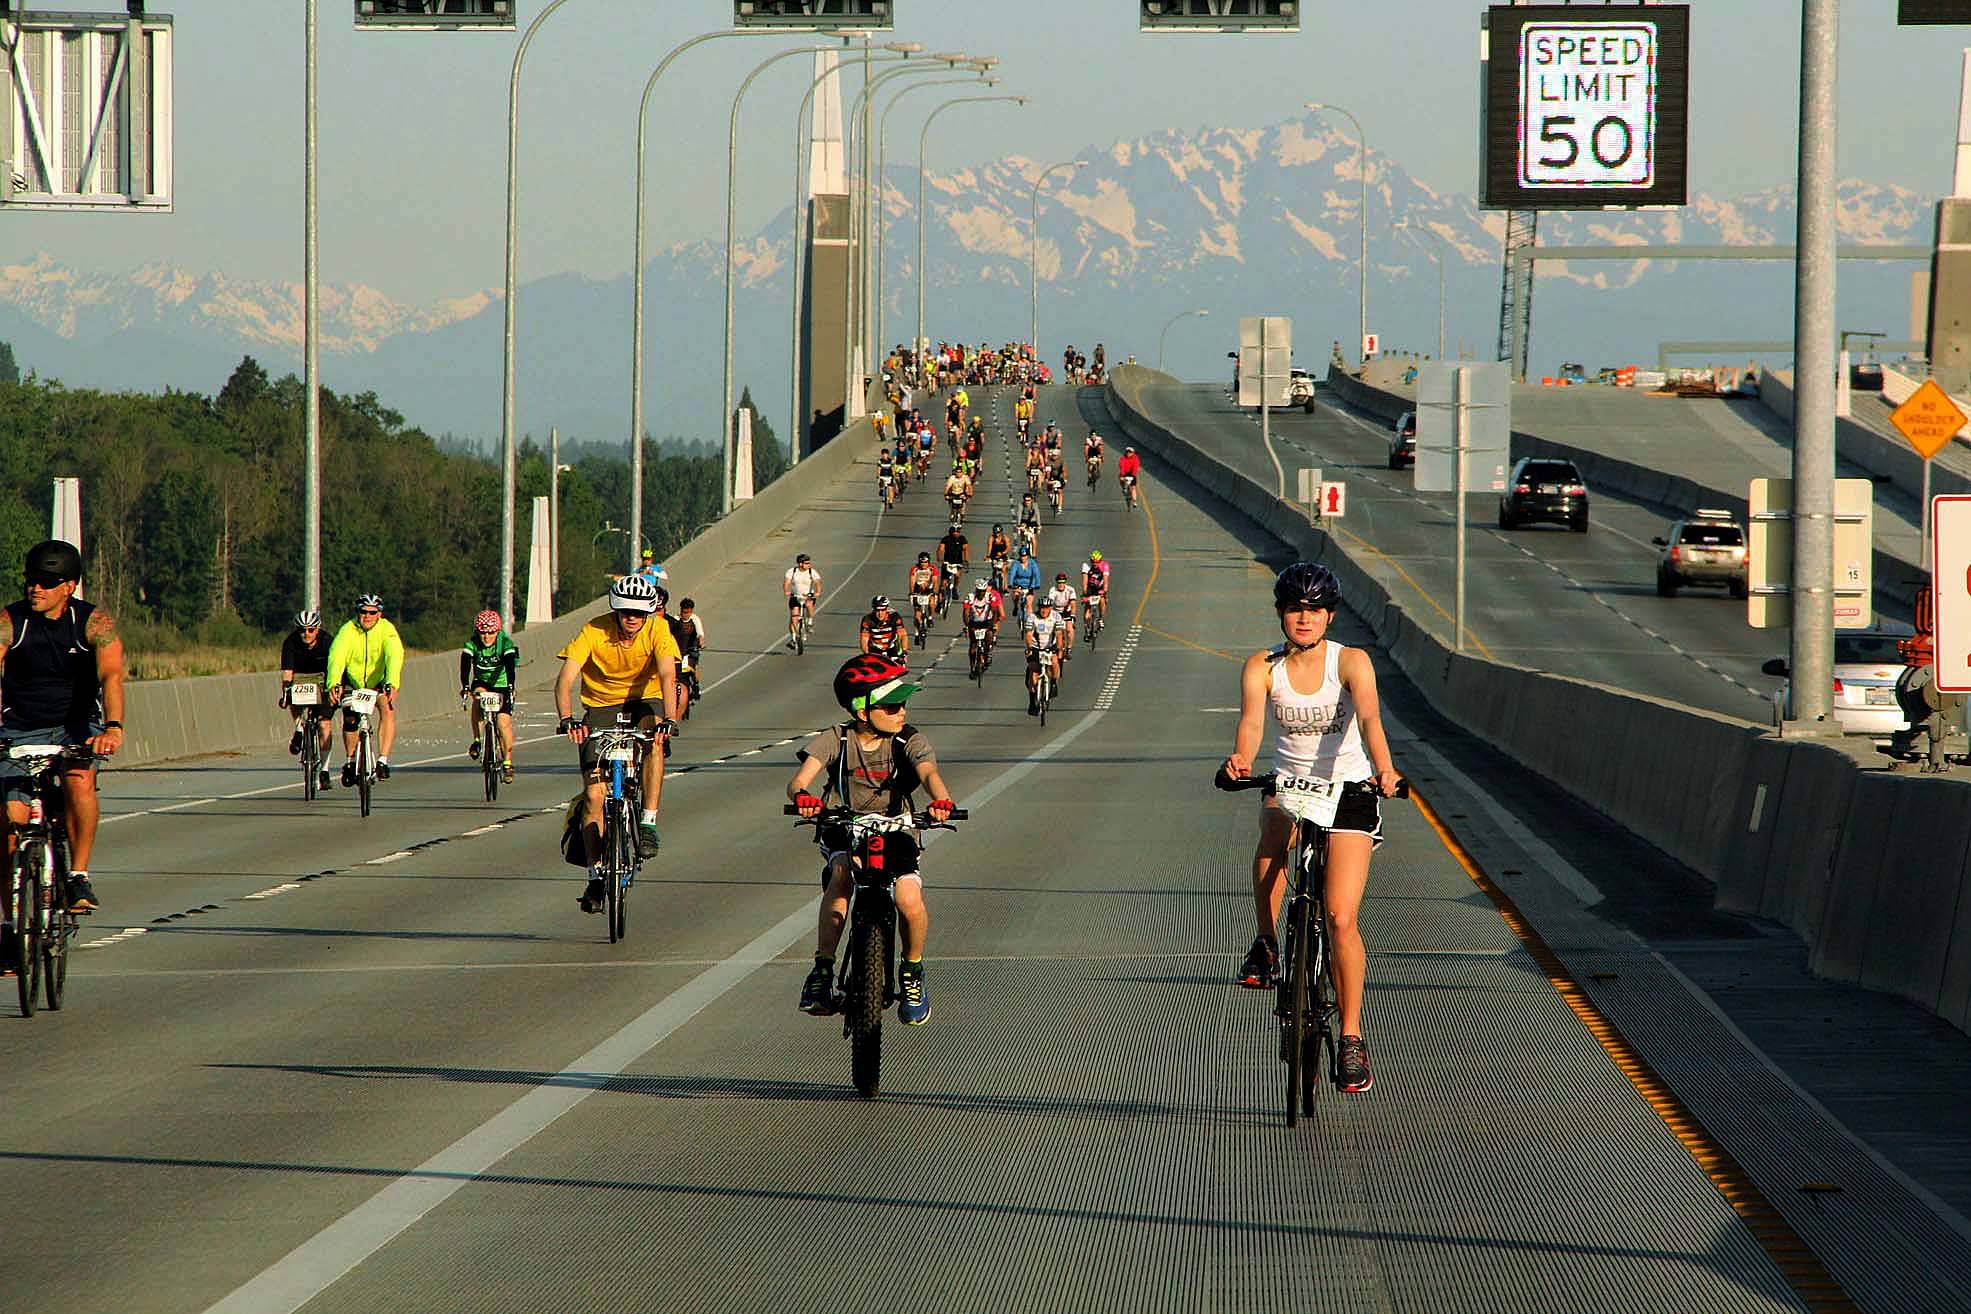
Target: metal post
<point>1033,251</point>
<point>1814,346</point>
<point>923,143</point>
<point>882,158</point>
<point>554,509</point>
<point>1266,412</point>
<point>1182,314</point>
<point>311,551</point>
<point>731,205</point>
<point>1925,558</point>
<point>1362,176</point>
<point>1461,436</point>
<point>636,278</point>
<point>508,450</point>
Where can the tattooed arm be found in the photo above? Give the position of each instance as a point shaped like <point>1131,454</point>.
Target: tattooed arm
<point>109,673</point>
<point>6,635</point>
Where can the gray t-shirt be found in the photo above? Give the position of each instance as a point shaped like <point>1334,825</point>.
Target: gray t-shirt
<point>880,780</point>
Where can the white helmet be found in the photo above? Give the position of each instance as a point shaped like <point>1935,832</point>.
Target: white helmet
<point>636,593</point>
<point>978,586</point>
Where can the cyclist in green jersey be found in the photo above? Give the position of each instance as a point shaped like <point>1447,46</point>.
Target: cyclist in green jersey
<point>490,661</point>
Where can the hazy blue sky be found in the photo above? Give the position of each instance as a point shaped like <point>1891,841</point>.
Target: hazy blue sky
<point>412,124</point>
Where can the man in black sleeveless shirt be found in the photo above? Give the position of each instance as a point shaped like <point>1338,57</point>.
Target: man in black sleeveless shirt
<point>61,682</point>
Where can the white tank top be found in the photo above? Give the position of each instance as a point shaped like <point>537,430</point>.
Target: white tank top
<point>1317,734</point>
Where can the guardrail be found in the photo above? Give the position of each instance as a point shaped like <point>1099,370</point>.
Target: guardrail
<point>1869,869</point>
<point>228,713</point>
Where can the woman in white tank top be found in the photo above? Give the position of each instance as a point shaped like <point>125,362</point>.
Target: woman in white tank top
<point>1321,699</point>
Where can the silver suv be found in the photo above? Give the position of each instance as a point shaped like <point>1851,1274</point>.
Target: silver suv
<point>1708,548</point>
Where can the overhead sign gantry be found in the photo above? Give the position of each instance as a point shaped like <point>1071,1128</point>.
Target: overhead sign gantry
<point>436,15</point>
<point>1218,16</point>
<point>816,15</point>
<point>85,110</point>
<point>1584,107</point>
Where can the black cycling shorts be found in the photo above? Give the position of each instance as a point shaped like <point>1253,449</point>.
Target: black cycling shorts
<point>643,715</point>
<point>900,851</point>
<point>506,700</point>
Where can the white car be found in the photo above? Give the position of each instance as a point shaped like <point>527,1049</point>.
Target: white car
<point>1300,390</point>
<point>1867,665</point>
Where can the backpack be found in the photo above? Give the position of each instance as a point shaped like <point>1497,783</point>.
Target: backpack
<point>903,782</point>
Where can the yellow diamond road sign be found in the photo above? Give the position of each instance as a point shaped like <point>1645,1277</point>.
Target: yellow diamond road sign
<point>1928,419</point>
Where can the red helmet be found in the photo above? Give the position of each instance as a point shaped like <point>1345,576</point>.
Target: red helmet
<point>487,622</point>
<point>871,679</point>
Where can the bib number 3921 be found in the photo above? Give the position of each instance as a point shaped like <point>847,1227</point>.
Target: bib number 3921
<point>1306,798</point>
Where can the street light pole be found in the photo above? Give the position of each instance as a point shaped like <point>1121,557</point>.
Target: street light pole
<point>1362,176</point>
<point>1182,314</point>
<point>1033,252</point>
<point>923,143</point>
<point>508,457</point>
<point>311,534</point>
<point>882,165</point>
<point>1439,259</point>
<point>1812,666</point>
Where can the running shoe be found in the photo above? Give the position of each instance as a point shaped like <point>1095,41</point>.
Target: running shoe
<point>818,991</point>
<point>594,895</point>
<point>506,772</point>
<point>915,1008</point>
<point>81,897</point>
<point>472,750</point>
<point>1352,1066</point>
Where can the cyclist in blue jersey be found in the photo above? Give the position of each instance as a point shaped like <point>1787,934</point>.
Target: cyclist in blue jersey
<point>1024,579</point>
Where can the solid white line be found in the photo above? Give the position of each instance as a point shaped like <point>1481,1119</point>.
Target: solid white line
<point>482,830</point>
<point>310,1268</point>
<point>1538,850</point>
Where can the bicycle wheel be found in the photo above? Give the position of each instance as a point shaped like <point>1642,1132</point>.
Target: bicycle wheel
<point>364,778</point>
<point>1046,691</point>
<point>27,926</point>
<point>865,1007</point>
<point>310,749</point>
<point>54,950</point>
<point>489,748</point>
<point>1294,994</point>
<point>1320,1034</point>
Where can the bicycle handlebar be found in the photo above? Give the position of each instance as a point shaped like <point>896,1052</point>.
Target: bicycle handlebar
<point>833,816</point>
<point>1233,784</point>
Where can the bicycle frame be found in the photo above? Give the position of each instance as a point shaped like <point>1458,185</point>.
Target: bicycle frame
<point>37,875</point>
<point>620,751</point>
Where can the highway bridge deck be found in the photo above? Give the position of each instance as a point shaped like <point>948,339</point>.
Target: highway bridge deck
<point>356,1065</point>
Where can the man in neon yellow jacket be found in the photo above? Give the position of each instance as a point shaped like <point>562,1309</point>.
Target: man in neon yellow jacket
<point>367,654</point>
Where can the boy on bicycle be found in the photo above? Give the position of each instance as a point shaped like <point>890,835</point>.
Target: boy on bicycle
<point>875,762</point>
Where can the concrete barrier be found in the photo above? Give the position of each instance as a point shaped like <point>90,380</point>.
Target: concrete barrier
<point>169,719</point>
<point>1869,869</point>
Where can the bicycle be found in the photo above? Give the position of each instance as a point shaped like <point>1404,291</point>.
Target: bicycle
<point>998,573</point>
<point>37,885</point>
<point>1129,491</point>
<point>308,696</point>
<point>1055,487</point>
<point>948,586</point>
<point>490,757</point>
<point>620,752</point>
<point>687,684</point>
<point>868,980</point>
<point>362,704</point>
<point>1094,470</point>
<point>803,626</point>
<point>1043,685</point>
<point>1091,621</point>
<point>1305,1002</point>
<point>981,651</point>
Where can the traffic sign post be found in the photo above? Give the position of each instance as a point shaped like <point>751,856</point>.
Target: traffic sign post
<point>1309,489</point>
<point>1928,419</point>
<point>1584,107</point>
<point>1265,370</point>
<point>1370,342</point>
<point>1334,500</point>
<point>1950,579</point>
<point>1769,554</point>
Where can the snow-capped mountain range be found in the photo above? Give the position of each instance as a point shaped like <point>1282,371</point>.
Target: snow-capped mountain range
<point>1237,220</point>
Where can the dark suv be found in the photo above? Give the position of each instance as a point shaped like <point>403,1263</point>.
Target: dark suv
<point>1544,489</point>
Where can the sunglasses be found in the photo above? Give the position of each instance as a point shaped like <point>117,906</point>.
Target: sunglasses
<point>369,611</point>
<point>43,580</point>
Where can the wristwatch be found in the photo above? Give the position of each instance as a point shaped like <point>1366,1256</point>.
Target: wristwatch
<point>112,725</point>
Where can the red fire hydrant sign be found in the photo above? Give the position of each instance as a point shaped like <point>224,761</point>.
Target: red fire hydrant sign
<point>1334,500</point>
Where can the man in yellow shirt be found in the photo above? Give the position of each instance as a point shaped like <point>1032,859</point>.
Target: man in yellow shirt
<point>624,663</point>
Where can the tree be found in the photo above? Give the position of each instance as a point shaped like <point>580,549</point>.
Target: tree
<point>247,386</point>
<point>10,370</point>
<point>181,535</point>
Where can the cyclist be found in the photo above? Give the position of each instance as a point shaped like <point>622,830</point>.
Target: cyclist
<point>874,762</point>
<point>367,654</point>
<point>623,663</point>
<point>1044,633</point>
<point>955,492</point>
<point>1321,698</point>
<point>883,632</point>
<point>886,478</point>
<point>1062,595</point>
<point>651,570</point>
<point>688,628</point>
<point>1129,469</point>
<point>305,655</point>
<point>1036,467</point>
<point>1024,578</point>
<point>955,551</point>
<point>984,609</point>
<point>1057,484</point>
<point>927,443</point>
<point>490,661</point>
<point>1095,583</point>
<point>61,682</point>
<point>802,585</point>
<point>922,589</point>
<point>1091,453</point>
<point>999,550</point>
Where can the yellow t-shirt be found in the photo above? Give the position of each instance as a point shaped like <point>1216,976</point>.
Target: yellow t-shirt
<point>615,671</point>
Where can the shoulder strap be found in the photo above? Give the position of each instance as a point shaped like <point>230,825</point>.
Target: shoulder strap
<point>1276,654</point>
<point>79,614</point>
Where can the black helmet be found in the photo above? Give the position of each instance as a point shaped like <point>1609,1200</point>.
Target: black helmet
<point>1306,584</point>
<point>54,557</point>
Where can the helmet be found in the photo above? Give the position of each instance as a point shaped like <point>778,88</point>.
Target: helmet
<point>487,622</point>
<point>1306,584</point>
<point>1060,577</point>
<point>1129,451</point>
<point>633,593</point>
<point>650,554</point>
<point>881,602</point>
<point>1094,554</point>
<point>978,586</point>
<point>922,557</point>
<point>871,679</point>
<point>54,557</point>
<point>1023,550</point>
<point>368,600</point>
<point>307,620</point>
<point>1043,601</point>
<point>663,597</point>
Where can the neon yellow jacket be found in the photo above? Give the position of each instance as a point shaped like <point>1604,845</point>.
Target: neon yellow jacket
<point>370,659</point>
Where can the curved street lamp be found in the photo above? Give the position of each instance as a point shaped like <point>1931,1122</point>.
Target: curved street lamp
<point>882,157</point>
<point>1438,258</point>
<point>1361,176</point>
<point>1182,314</point>
<point>1033,251</point>
<point>923,143</point>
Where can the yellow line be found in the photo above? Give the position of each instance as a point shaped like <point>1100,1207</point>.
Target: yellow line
<point>1422,592</point>
<point>1156,554</point>
<point>1817,1288</point>
<point>1178,638</point>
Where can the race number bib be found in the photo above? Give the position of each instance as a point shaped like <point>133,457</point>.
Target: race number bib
<point>1306,798</point>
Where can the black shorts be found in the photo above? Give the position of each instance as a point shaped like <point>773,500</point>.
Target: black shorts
<point>642,715</point>
<point>900,851</point>
<point>796,601</point>
<point>1359,812</point>
<point>506,700</point>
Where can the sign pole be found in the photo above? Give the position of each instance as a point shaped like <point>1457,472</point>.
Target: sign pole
<point>1266,412</point>
<point>1927,528</point>
<point>1460,384</point>
<point>311,516</point>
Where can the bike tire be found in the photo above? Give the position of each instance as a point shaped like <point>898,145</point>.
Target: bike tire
<point>364,780</point>
<point>800,639</point>
<point>612,880</point>
<point>27,928</point>
<point>1295,992</point>
<point>489,771</point>
<point>865,1004</point>
<point>54,956</point>
<point>310,760</point>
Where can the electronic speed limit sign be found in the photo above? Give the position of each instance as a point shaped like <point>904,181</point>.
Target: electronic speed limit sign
<point>1585,107</point>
